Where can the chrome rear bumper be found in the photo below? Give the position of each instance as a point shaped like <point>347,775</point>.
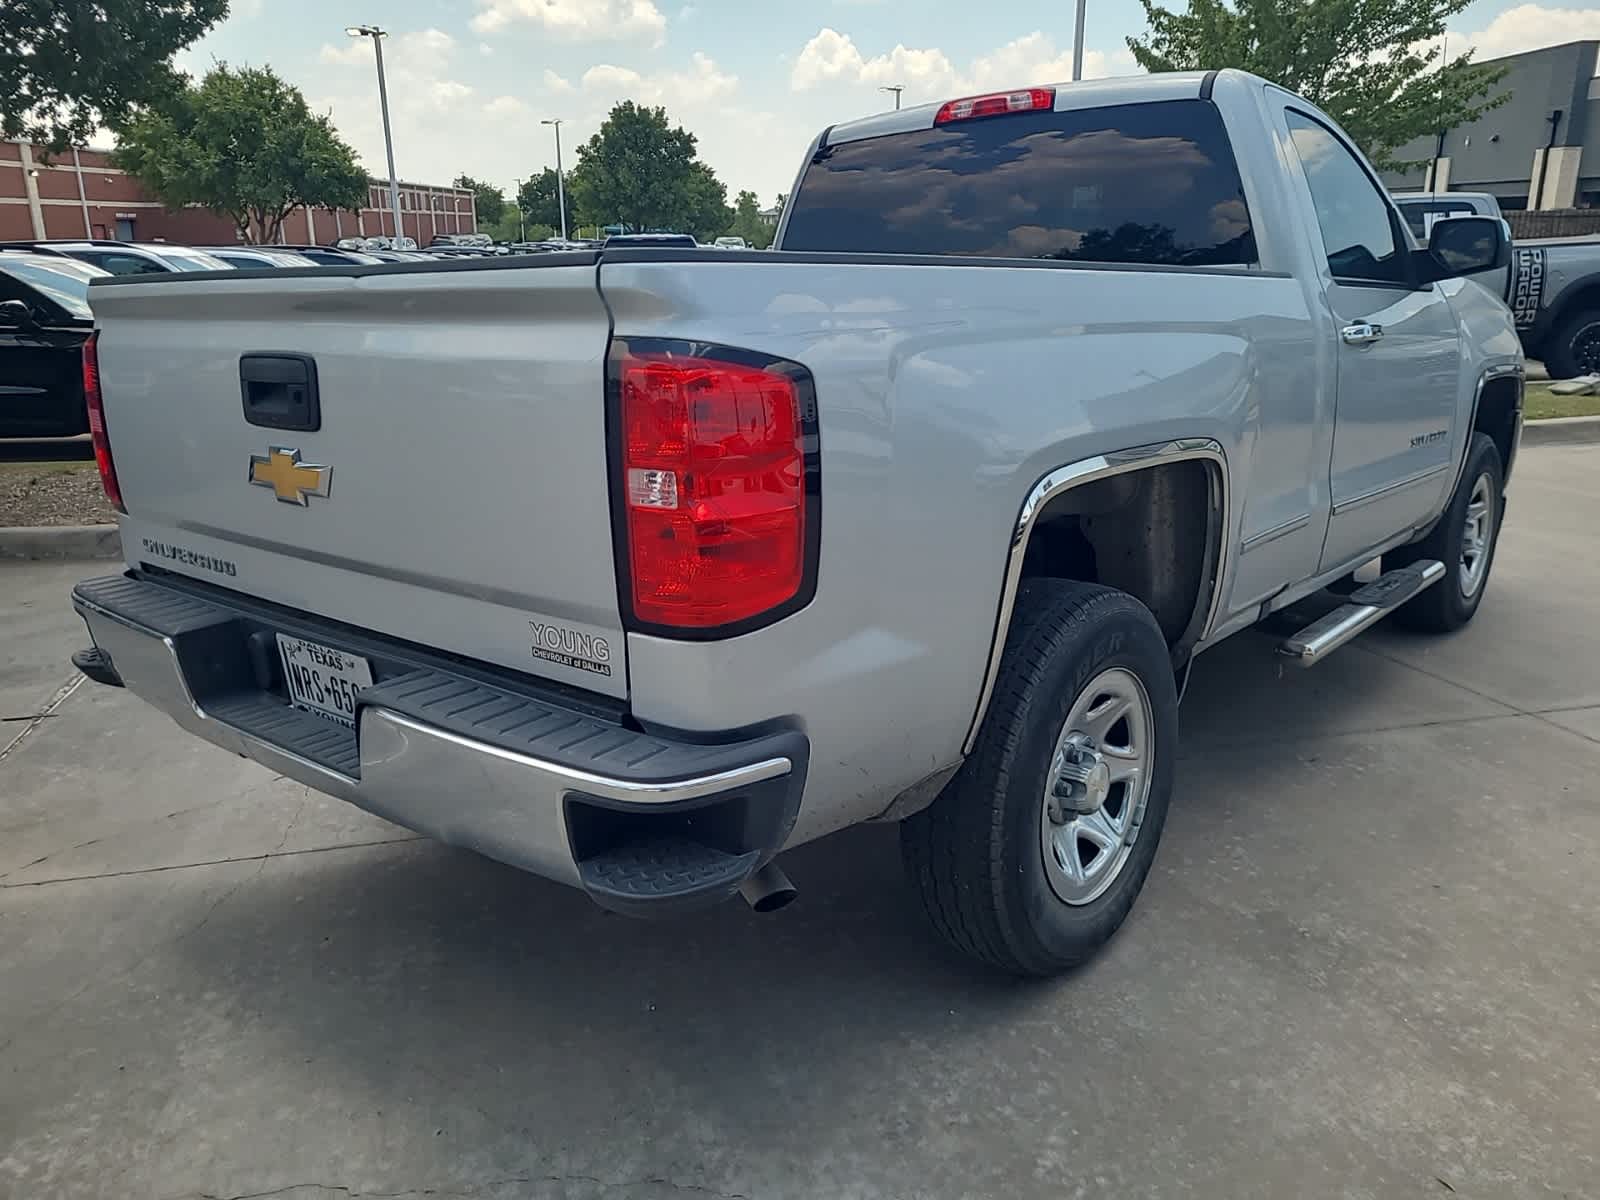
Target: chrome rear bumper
<point>641,822</point>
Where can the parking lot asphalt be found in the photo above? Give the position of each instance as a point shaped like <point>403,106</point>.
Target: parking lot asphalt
<point>1364,965</point>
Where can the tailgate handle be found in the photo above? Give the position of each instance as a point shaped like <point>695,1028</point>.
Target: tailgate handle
<point>280,391</point>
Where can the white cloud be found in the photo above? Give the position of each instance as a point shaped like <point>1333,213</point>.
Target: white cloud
<point>556,83</point>
<point>355,52</point>
<point>604,76</point>
<point>918,70</point>
<point>577,20</point>
<point>1528,27</point>
<point>929,74</point>
<point>428,41</point>
<point>447,92</point>
<point>506,106</point>
<point>703,84</point>
<point>416,44</point>
<point>485,49</point>
<point>829,55</point>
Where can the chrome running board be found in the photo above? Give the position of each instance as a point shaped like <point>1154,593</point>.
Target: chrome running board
<point>1365,608</point>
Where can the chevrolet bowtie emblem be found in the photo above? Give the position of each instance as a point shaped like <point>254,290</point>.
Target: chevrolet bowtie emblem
<point>290,479</point>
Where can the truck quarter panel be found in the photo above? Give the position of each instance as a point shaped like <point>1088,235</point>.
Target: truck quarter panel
<point>945,392</point>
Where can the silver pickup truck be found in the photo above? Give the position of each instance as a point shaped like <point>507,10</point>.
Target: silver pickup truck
<point>634,567</point>
<point>1551,284</point>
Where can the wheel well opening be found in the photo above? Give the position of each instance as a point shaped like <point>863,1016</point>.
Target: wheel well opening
<point>1497,416</point>
<point>1586,297</point>
<point>1553,330</point>
<point>1153,533</point>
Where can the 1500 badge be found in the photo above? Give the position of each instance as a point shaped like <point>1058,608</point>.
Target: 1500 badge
<point>1428,439</point>
<point>569,648</point>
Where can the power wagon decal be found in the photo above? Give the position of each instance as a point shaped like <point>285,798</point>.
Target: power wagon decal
<point>1527,285</point>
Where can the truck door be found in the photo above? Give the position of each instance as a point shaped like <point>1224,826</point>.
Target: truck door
<point>1398,357</point>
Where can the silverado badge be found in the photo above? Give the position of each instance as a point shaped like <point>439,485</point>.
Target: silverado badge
<point>290,479</point>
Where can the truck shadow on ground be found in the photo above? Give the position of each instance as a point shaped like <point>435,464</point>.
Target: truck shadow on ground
<point>454,964</point>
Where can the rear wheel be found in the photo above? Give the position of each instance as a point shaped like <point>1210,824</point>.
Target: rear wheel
<point>1032,856</point>
<point>1573,348</point>
<point>1463,540</point>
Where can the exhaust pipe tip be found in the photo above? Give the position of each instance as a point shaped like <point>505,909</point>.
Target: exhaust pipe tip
<point>768,889</point>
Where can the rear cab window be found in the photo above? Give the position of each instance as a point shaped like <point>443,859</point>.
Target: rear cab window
<point>1420,215</point>
<point>1153,183</point>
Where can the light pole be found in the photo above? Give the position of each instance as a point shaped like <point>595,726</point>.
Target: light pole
<point>896,88</point>
<point>522,214</point>
<point>377,35</point>
<point>561,188</point>
<point>1077,45</point>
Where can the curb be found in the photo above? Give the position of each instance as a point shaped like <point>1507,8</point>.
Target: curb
<point>60,542</point>
<point>1561,431</point>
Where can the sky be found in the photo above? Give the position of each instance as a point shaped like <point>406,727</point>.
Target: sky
<point>470,80</point>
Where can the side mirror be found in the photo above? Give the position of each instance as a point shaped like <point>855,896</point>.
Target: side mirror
<point>1464,246</point>
<point>15,314</point>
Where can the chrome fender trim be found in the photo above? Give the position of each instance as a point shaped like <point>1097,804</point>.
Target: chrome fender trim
<point>1088,470</point>
<point>1497,371</point>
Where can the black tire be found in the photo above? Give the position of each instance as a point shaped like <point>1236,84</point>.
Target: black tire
<point>1448,605</point>
<point>975,854</point>
<point>1573,347</point>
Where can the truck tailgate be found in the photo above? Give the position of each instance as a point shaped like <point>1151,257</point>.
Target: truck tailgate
<point>462,497</point>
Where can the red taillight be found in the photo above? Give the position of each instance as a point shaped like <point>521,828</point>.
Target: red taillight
<point>995,104</point>
<point>97,424</point>
<point>714,488</point>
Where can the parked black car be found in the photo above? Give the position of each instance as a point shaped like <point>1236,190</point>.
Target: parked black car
<point>44,323</point>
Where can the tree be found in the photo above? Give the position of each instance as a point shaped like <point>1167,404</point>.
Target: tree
<point>705,204</point>
<point>538,197</point>
<point>642,172</point>
<point>244,144</point>
<point>68,68</point>
<point>747,222</point>
<point>488,201</point>
<point>1372,65</point>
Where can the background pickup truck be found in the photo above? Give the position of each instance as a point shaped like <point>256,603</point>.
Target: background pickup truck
<point>633,567</point>
<point>1551,284</point>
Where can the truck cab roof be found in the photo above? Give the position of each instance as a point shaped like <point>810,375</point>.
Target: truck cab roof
<point>1092,93</point>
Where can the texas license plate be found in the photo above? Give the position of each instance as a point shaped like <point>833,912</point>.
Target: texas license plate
<point>323,680</point>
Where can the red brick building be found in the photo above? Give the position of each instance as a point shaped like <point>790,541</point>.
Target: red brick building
<point>80,194</point>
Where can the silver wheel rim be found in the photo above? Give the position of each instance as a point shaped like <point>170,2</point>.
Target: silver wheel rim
<point>1476,536</point>
<point>1097,787</point>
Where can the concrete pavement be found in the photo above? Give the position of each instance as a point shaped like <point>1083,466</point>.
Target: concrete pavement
<point>1363,967</point>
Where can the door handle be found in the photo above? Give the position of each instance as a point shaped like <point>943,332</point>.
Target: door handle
<point>280,391</point>
<point>1362,333</point>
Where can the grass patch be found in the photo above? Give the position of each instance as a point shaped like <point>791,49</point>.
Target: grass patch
<point>1538,404</point>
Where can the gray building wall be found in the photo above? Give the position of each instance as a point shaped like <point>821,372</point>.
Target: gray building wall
<point>1500,151</point>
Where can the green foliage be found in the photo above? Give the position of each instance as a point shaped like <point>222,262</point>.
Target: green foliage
<point>747,222</point>
<point>508,228</point>
<point>68,66</point>
<point>538,197</point>
<point>244,144</point>
<point>1372,65</point>
<point>642,172</point>
<point>488,200</point>
<point>705,204</point>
